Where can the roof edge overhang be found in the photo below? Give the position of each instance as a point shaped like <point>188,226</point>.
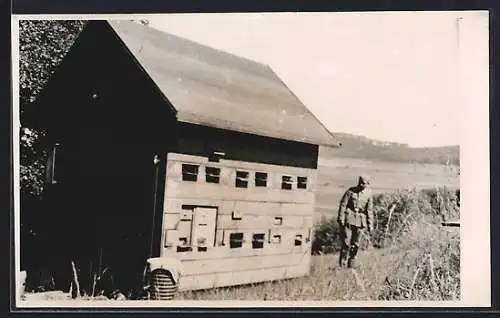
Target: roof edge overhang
<point>184,117</point>
<point>193,119</point>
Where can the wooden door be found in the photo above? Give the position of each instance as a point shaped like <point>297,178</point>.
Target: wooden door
<point>203,231</point>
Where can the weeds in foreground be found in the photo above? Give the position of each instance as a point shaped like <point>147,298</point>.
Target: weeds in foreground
<point>394,214</point>
<point>432,272</point>
<point>417,259</point>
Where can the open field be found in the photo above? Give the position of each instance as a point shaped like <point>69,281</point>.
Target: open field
<point>335,175</point>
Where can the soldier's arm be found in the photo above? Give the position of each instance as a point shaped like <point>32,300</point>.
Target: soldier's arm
<point>369,213</point>
<point>342,208</point>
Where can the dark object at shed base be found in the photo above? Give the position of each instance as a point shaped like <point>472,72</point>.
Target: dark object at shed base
<point>163,286</point>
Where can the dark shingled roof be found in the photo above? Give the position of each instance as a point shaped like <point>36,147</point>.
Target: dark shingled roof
<point>217,89</point>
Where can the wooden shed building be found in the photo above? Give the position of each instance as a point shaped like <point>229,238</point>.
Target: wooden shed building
<point>163,147</point>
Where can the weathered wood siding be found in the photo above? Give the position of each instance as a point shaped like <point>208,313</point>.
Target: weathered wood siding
<point>109,121</point>
<point>202,141</point>
<point>277,214</point>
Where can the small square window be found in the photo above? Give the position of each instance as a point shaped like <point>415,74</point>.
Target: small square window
<point>258,240</point>
<point>286,183</point>
<point>184,249</point>
<point>298,240</point>
<point>189,172</point>
<point>241,179</point>
<point>302,182</point>
<point>276,239</point>
<point>278,220</point>
<point>212,175</point>
<point>183,241</point>
<point>261,179</point>
<point>235,240</point>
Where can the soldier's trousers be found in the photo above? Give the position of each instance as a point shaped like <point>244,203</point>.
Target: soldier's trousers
<point>350,236</point>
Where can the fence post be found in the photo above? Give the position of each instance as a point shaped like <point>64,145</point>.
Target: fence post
<point>391,209</point>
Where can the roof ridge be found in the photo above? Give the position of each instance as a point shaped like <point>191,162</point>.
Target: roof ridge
<point>263,65</point>
<point>217,66</point>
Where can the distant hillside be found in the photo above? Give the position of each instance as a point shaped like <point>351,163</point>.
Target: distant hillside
<point>354,146</point>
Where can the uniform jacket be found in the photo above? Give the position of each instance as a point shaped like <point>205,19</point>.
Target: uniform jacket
<point>356,208</point>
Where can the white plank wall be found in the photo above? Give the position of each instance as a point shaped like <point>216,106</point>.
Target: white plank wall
<point>244,276</point>
<point>248,221</point>
<point>271,211</point>
<point>227,207</point>
<point>191,190</point>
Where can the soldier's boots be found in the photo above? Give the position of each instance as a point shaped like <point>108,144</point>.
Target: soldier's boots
<point>353,252</point>
<point>343,258</point>
<point>351,263</point>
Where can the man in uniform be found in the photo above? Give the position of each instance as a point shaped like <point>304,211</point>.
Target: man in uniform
<point>355,215</point>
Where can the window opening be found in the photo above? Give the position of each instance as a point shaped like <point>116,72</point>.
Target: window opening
<point>212,175</point>
<point>298,240</point>
<point>278,220</point>
<point>189,172</point>
<point>286,182</point>
<point>235,240</point>
<point>261,179</point>
<point>276,239</point>
<point>258,240</point>
<point>184,249</point>
<point>241,179</point>
<point>201,244</point>
<point>302,182</point>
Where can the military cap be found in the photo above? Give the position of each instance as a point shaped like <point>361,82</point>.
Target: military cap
<point>364,179</point>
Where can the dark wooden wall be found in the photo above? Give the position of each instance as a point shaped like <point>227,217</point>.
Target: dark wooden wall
<point>110,123</point>
<point>203,141</point>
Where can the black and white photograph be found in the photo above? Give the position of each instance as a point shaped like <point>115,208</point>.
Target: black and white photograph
<point>252,159</point>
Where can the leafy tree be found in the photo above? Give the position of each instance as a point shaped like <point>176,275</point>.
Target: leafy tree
<point>42,46</point>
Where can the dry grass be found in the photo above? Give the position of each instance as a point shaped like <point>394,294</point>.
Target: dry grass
<point>326,282</point>
<point>381,275</point>
<point>420,260</point>
<point>431,271</point>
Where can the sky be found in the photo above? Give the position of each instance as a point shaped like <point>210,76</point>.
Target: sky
<point>392,76</point>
